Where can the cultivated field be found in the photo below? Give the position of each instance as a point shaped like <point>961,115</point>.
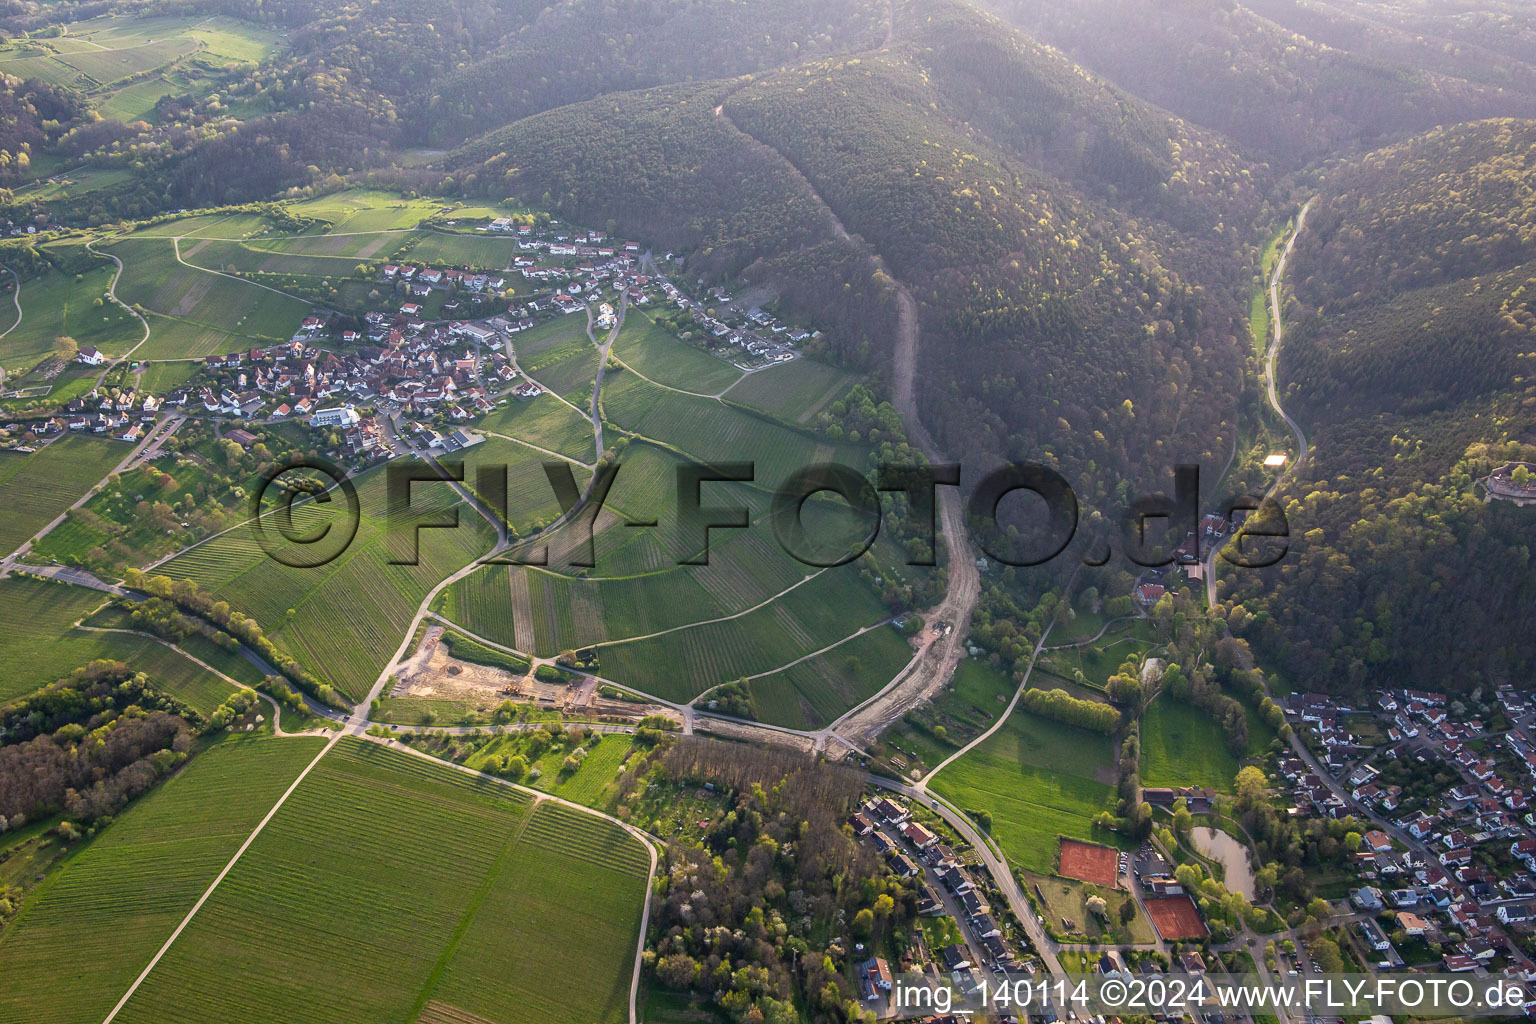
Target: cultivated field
<point>387,884</point>
<point>345,619</point>
<point>126,64</point>
<point>1039,780</point>
<point>204,306</point>
<point>713,432</point>
<point>546,422</point>
<point>91,927</point>
<point>360,210</point>
<point>656,354</point>
<point>56,305</point>
<point>815,691</point>
<point>35,488</point>
<point>795,391</point>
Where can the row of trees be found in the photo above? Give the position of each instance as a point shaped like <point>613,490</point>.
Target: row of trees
<point>1061,706</point>
<point>187,595</point>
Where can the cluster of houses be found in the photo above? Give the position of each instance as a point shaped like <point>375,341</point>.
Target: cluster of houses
<point>435,370</point>
<point>915,851</point>
<point>125,417</point>
<point>759,335</point>
<point>1459,869</point>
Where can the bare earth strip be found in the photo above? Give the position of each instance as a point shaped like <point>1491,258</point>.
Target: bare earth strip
<point>522,611</point>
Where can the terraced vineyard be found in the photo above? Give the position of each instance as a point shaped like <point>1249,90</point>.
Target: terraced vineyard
<point>87,932</point>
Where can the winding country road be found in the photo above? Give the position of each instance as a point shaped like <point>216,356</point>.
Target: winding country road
<point>1271,355</point>
<point>1274,353</point>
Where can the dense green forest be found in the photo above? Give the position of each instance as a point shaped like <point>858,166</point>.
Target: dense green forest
<point>1409,364</point>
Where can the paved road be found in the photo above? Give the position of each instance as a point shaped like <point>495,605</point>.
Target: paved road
<point>112,297</point>
<point>1017,901</point>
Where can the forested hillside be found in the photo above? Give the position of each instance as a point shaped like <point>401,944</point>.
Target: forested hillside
<point>1409,363</point>
<point>1255,71</point>
<point>1041,219</point>
<point>579,49</point>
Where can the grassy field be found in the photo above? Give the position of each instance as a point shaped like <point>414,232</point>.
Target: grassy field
<point>342,620</point>
<point>388,885</point>
<point>162,377</point>
<point>90,928</point>
<point>56,305</point>
<point>795,391</point>
<point>205,304</point>
<point>586,785</point>
<point>656,354</point>
<point>550,334</point>
<point>1066,899</point>
<point>1184,746</point>
<point>975,697</point>
<point>35,488</point>
<point>546,422</point>
<point>360,210</point>
<point>1039,780</point>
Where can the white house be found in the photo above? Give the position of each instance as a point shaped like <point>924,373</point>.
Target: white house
<point>341,416</point>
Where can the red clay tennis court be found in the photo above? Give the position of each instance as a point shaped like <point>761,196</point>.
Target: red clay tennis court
<point>1089,862</point>
<point>1176,917</point>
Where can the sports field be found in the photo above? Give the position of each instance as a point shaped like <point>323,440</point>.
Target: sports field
<point>1089,862</point>
<point>1176,917</point>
